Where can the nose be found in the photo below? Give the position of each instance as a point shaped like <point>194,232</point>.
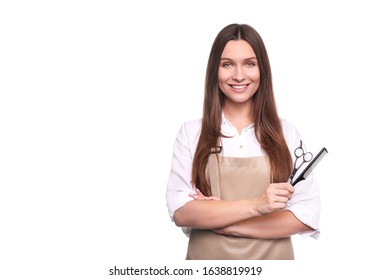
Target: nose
<point>239,74</point>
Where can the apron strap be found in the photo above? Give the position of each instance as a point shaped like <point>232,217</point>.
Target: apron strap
<point>214,179</point>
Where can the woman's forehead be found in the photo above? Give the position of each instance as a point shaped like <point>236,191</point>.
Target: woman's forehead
<point>238,49</point>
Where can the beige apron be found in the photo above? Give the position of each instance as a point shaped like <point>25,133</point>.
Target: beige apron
<point>232,179</point>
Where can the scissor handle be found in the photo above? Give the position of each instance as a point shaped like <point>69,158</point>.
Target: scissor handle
<point>307,156</point>
<point>298,152</point>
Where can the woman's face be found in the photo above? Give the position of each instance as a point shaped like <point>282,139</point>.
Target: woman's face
<point>238,72</point>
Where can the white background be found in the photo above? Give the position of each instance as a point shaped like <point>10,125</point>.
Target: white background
<point>92,94</point>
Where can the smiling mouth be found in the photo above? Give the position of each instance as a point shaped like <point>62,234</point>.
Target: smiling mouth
<point>239,87</point>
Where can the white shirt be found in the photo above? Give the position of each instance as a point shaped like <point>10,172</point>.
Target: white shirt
<point>305,202</point>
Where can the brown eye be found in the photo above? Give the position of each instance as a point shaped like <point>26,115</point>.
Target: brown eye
<point>250,63</point>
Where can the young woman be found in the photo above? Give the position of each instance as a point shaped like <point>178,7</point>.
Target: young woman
<point>227,187</point>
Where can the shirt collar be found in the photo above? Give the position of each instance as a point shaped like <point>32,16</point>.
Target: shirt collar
<point>226,123</point>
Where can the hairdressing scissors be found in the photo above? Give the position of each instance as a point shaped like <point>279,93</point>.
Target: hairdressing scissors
<point>300,158</point>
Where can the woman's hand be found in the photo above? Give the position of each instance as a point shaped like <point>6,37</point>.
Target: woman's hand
<point>199,196</point>
<point>275,198</point>
<point>232,230</point>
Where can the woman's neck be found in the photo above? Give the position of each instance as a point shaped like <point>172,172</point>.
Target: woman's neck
<point>239,114</point>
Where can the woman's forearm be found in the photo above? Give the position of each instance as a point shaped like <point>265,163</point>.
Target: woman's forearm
<point>275,225</point>
<point>212,214</point>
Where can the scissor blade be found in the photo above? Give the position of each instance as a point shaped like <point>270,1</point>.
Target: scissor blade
<point>310,167</point>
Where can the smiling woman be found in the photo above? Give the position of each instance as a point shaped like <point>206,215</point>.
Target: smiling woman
<point>238,79</point>
<point>228,185</point>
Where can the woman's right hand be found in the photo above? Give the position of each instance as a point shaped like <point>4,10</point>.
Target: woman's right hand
<point>275,198</point>
<point>198,195</point>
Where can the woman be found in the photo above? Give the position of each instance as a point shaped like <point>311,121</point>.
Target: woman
<point>227,187</point>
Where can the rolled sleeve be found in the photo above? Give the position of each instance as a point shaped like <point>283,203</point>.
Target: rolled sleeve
<point>305,203</point>
<point>179,183</point>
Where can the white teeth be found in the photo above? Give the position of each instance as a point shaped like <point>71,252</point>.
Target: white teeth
<point>239,87</point>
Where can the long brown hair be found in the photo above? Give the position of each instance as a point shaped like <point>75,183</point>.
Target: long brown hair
<point>267,125</point>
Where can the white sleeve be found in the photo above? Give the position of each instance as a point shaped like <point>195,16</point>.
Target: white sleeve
<point>305,203</point>
<point>179,183</point>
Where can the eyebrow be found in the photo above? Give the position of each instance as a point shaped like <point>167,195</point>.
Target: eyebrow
<point>249,58</point>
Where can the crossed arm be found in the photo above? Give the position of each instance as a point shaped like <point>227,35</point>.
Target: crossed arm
<point>262,217</point>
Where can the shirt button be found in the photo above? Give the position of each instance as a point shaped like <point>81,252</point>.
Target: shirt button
<point>241,146</point>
